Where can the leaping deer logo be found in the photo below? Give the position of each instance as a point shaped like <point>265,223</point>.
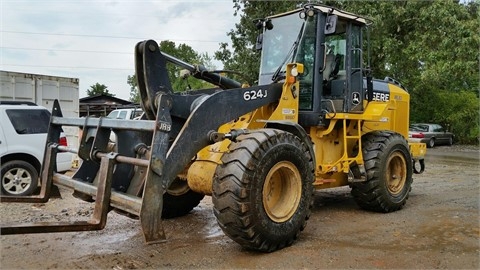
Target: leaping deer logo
<point>355,98</point>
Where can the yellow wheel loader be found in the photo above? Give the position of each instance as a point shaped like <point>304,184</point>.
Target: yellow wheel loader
<point>315,120</point>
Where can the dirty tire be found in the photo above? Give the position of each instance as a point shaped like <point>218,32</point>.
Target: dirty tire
<point>179,200</point>
<point>431,143</point>
<point>18,178</point>
<point>388,165</point>
<point>262,194</point>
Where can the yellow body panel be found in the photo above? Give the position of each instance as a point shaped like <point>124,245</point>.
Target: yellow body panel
<point>201,172</point>
<point>337,146</point>
<point>418,150</point>
<point>287,108</point>
<point>391,115</point>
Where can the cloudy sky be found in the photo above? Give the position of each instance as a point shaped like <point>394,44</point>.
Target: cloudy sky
<point>93,40</point>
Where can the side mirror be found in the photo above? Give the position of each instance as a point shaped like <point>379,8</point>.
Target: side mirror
<point>258,44</point>
<point>262,24</point>
<point>331,24</point>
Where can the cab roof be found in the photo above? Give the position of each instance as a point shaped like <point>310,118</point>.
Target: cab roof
<point>327,10</point>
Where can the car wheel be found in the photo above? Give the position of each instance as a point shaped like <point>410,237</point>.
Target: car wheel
<point>431,143</point>
<point>450,141</point>
<point>19,178</point>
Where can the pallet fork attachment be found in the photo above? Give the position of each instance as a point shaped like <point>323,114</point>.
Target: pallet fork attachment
<point>98,218</point>
<point>149,207</point>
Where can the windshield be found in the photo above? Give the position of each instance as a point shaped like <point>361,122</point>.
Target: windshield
<point>277,45</point>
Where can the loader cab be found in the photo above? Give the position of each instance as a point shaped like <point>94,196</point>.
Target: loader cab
<point>328,42</point>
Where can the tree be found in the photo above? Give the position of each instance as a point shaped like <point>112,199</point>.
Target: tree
<point>241,56</point>
<point>185,53</point>
<point>134,93</point>
<point>429,46</point>
<point>98,89</point>
<point>432,48</point>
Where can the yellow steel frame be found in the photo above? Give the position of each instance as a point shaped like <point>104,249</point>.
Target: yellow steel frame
<point>337,146</point>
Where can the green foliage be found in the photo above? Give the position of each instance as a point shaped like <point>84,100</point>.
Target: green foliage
<point>189,55</point>
<point>242,56</point>
<point>186,54</point>
<point>432,47</point>
<point>458,110</point>
<point>134,94</point>
<point>98,89</point>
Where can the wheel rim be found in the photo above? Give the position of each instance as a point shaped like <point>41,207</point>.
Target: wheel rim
<point>282,191</point>
<point>396,173</point>
<point>178,187</point>
<point>16,180</point>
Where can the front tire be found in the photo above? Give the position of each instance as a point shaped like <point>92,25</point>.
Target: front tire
<point>389,167</point>
<point>19,178</point>
<point>262,194</point>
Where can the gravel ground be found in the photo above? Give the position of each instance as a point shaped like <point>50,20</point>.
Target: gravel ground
<point>438,228</point>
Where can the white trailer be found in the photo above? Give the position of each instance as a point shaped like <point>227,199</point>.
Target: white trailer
<point>43,90</point>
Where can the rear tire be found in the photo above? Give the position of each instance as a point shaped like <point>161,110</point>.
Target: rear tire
<point>431,143</point>
<point>179,200</point>
<point>18,178</point>
<point>389,167</point>
<point>262,194</point>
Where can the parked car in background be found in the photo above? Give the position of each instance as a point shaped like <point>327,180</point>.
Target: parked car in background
<point>431,134</point>
<point>124,114</point>
<point>23,134</point>
<point>129,113</point>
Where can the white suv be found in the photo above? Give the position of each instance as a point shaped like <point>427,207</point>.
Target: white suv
<point>23,134</point>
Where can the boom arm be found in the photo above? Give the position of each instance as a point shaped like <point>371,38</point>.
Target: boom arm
<point>206,117</point>
<point>200,72</point>
<point>152,75</point>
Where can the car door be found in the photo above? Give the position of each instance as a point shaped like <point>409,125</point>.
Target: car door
<point>440,134</point>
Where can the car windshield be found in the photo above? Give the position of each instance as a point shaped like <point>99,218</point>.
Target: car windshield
<point>113,114</point>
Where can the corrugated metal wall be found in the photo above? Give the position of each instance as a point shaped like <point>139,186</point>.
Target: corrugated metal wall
<point>43,90</point>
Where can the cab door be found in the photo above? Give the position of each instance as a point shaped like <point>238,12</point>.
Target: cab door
<point>354,69</point>
<point>342,70</point>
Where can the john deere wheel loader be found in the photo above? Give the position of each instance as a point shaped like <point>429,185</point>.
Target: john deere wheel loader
<point>315,120</point>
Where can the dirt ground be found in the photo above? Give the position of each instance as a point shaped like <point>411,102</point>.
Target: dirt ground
<point>438,228</point>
